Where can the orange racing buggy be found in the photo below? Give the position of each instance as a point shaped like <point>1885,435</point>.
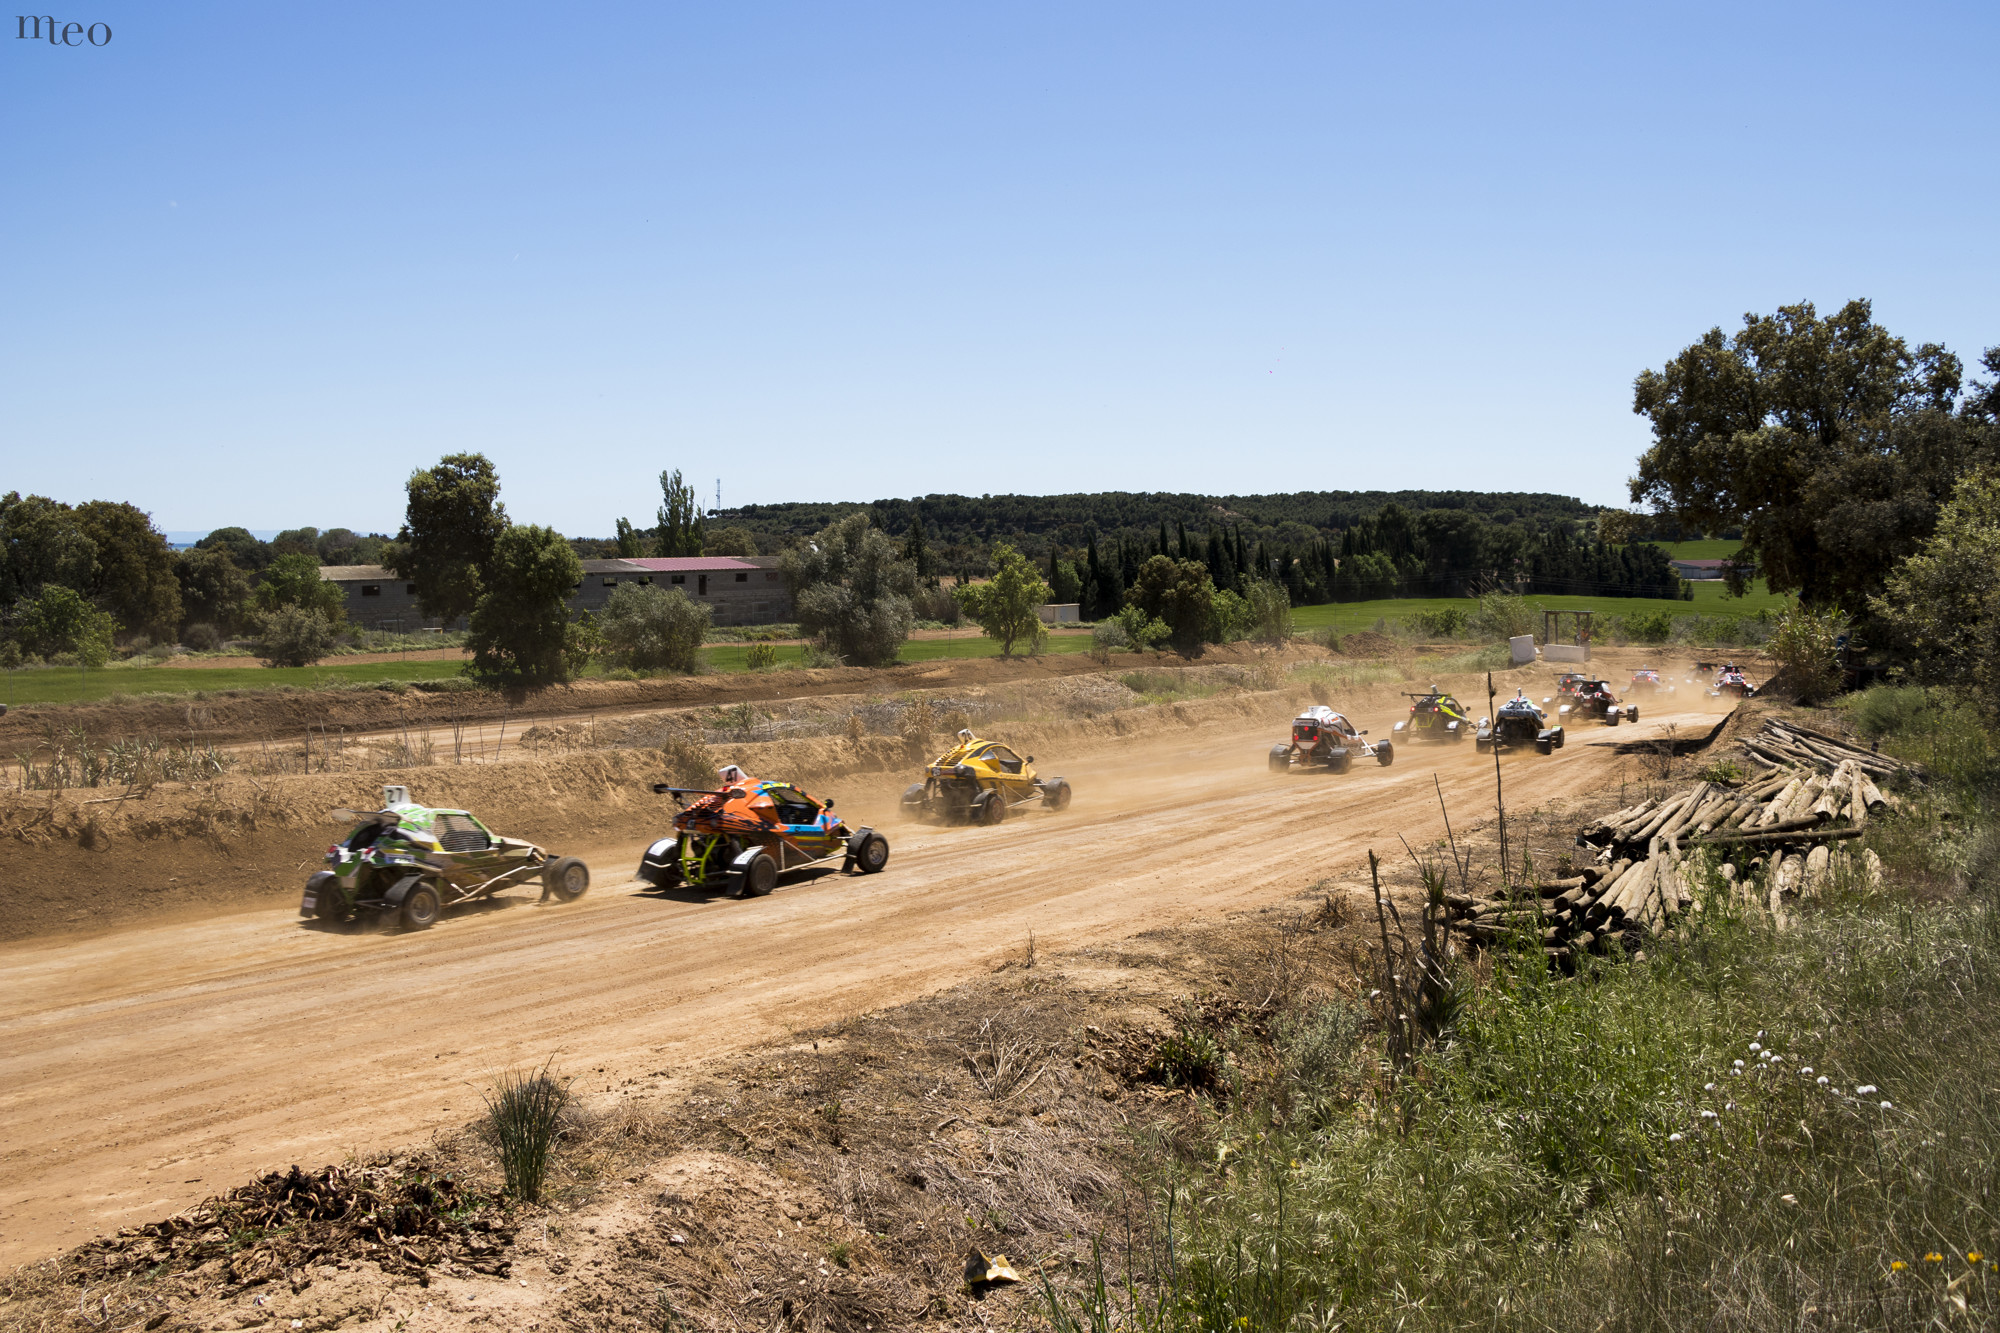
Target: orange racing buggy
<point>741,836</point>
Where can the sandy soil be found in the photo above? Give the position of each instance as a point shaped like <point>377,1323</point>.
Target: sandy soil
<point>143,1070</point>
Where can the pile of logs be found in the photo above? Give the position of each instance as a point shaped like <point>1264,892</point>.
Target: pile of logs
<point>1789,745</point>
<point>1780,837</point>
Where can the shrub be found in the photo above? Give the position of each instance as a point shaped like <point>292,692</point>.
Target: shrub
<point>294,636</point>
<point>1270,609</point>
<point>1804,647</point>
<point>1447,622</point>
<point>201,637</point>
<point>58,621</point>
<point>645,627</point>
<point>525,1112</point>
<point>1233,620</point>
<point>1501,615</point>
<point>1650,627</point>
<point>293,580</point>
<point>1108,637</point>
<point>1141,631</point>
<point>758,656</point>
<point>689,762</point>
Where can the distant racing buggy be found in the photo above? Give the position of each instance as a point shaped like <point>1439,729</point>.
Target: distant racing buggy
<point>743,834</point>
<point>410,862</point>
<point>1587,696</point>
<point>1729,679</point>
<point>979,781</point>
<point>1435,716</point>
<point>1649,679</point>
<point>1323,738</point>
<point>1519,722</point>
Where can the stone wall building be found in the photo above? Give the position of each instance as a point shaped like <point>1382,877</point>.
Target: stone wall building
<point>741,590</point>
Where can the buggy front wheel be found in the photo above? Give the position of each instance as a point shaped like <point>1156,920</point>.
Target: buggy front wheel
<point>990,808</point>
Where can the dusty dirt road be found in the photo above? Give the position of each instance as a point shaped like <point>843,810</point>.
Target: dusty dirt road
<point>142,1071</point>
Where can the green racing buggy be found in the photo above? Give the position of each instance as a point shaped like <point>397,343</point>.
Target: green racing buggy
<point>409,862</point>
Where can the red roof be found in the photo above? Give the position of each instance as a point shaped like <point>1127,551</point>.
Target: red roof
<point>689,564</point>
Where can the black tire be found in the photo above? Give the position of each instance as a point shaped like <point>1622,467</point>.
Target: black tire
<point>913,801</point>
<point>872,855</point>
<point>1055,794</point>
<point>421,908</point>
<point>1544,747</point>
<point>990,808</point>
<point>760,876</point>
<point>1385,754</point>
<point>1611,717</point>
<point>566,879</point>
<point>1340,762</point>
<point>1632,713</point>
<point>1281,759</point>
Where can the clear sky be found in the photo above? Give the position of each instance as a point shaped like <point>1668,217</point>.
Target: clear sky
<point>264,259</point>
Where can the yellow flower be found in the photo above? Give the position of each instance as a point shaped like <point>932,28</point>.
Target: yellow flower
<point>1897,1266</point>
<point>1973,1256</point>
<point>1933,1258</point>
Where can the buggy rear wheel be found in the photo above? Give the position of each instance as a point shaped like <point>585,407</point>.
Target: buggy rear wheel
<point>1281,758</point>
<point>1385,754</point>
<point>913,800</point>
<point>1055,794</point>
<point>566,879</point>
<point>421,908</point>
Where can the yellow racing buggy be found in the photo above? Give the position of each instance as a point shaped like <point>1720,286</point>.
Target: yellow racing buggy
<point>978,782</point>
<point>1435,716</point>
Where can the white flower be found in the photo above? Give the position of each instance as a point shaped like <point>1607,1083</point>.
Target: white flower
<point>1760,1034</point>
<point>1708,1115</point>
<point>1888,1106</point>
<point>1730,1106</point>
<point>1821,1080</point>
<point>1708,1087</point>
<point>1673,1138</point>
<point>1736,1073</point>
<point>1739,1064</point>
<point>1776,1057</point>
<point>1755,1047</point>
<point>1864,1089</point>
<point>1806,1070</point>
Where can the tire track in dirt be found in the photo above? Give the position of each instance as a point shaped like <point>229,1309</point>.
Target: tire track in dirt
<point>142,1071</point>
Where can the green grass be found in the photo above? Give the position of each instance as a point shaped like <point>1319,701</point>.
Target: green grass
<point>51,685</point>
<point>1710,599</point>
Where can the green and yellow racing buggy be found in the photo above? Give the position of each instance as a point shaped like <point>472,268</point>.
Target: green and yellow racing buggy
<point>409,862</point>
<point>1435,716</point>
<point>979,781</point>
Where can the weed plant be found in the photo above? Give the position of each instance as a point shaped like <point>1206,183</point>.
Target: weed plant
<point>525,1114</point>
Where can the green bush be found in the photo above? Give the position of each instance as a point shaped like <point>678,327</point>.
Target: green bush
<point>1446,622</point>
<point>645,627</point>
<point>59,622</point>
<point>758,656</point>
<point>294,636</point>
<point>1502,615</point>
<point>1804,647</point>
<point>1650,627</point>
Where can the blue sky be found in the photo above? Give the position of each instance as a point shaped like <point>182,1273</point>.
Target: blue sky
<point>263,260</point>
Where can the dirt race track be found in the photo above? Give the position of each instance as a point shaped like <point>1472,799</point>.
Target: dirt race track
<point>144,1070</point>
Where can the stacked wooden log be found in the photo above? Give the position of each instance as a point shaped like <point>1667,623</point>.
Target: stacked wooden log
<point>1782,835</point>
<point>1790,745</point>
